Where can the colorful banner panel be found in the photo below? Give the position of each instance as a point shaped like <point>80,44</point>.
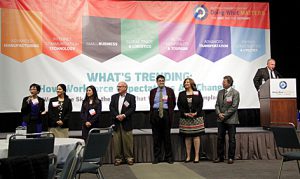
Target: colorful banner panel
<point>177,41</point>
<point>248,44</point>
<point>62,29</point>
<point>20,44</point>
<point>139,39</point>
<point>91,42</point>
<point>101,37</point>
<point>0,27</point>
<point>213,42</point>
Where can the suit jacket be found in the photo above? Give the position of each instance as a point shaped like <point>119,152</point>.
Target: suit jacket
<point>261,74</point>
<point>127,110</point>
<point>26,109</point>
<point>171,103</point>
<point>183,106</point>
<point>54,111</point>
<point>85,113</point>
<point>228,104</point>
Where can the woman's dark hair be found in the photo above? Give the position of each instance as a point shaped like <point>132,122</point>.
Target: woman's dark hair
<point>94,97</point>
<point>38,87</point>
<point>192,82</point>
<point>63,86</point>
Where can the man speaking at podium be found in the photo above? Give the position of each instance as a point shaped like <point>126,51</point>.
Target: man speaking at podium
<point>263,74</point>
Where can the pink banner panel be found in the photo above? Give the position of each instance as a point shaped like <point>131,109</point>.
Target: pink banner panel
<point>177,41</point>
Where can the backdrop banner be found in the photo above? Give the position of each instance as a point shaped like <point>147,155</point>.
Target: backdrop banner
<point>92,42</point>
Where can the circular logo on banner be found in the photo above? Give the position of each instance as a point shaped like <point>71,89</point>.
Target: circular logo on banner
<point>200,12</point>
<point>282,84</point>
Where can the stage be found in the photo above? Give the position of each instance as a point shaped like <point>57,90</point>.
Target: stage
<point>252,143</point>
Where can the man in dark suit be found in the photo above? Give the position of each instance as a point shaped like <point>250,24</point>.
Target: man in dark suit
<point>227,118</point>
<point>122,106</point>
<point>263,74</point>
<point>162,104</point>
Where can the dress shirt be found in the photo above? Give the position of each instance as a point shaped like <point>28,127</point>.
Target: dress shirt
<point>156,98</point>
<point>121,102</point>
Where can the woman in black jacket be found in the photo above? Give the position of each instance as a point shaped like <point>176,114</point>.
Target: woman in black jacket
<point>33,110</point>
<point>191,124</point>
<point>59,109</point>
<point>90,111</point>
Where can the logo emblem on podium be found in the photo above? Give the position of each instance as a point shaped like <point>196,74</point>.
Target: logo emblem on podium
<point>282,84</point>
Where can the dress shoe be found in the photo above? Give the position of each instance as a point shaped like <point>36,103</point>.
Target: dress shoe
<point>196,160</point>
<point>203,156</point>
<point>187,161</point>
<point>170,161</point>
<point>155,161</point>
<point>130,162</point>
<point>218,160</point>
<point>117,163</point>
<point>230,161</point>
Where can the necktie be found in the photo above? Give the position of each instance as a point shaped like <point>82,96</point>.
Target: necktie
<point>161,105</point>
<point>225,93</point>
<point>272,74</point>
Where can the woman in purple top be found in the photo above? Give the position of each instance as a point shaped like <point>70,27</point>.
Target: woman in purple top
<point>33,110</point>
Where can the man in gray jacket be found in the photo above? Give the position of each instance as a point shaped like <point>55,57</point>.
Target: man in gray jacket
<point>227,113</point>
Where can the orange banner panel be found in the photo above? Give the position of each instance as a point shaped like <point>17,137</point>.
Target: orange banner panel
<point>62,29</point>
<point>21,44</point>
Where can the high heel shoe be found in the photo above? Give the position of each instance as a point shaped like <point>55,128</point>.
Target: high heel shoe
<point>187,161</point>
<point>196,161</point>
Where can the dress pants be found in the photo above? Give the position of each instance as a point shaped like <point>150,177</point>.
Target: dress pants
<point>123,144</point>
<point>222,128</point>
<point>161,133</point>
<point>34,127</point>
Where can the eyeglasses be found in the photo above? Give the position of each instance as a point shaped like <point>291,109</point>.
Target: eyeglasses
<point>120,86</point>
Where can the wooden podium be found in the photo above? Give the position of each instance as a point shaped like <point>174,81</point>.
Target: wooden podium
<point>278,102</point>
